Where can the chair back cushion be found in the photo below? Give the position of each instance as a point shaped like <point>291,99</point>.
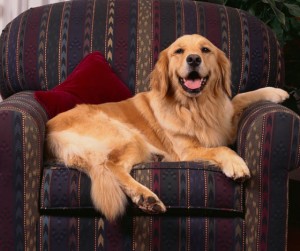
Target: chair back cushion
<point>43,45</point>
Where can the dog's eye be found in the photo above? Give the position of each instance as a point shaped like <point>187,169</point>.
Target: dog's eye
<point>179,51</point>
<point>205,50</point>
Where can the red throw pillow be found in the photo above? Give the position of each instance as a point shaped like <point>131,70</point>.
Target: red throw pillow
<point>92,82</point>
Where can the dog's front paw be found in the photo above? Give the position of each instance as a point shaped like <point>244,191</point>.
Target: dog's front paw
<point>275,95</point>
<point>235,168</point>
<point>150,204</point>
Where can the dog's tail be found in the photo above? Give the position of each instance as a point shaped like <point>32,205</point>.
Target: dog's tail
<point>106,193</point>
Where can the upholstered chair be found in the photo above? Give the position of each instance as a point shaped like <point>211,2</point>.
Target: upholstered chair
<point>56,56</point>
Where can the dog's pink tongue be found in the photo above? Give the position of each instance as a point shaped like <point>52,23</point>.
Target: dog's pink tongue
<point>193,84</point>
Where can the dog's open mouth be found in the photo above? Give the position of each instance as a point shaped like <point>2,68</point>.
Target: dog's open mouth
<point>193,83</point>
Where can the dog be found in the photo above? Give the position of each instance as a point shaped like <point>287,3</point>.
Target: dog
<point>188,115</point>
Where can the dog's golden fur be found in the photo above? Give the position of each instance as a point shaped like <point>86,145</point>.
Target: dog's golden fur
<point>187,115</point>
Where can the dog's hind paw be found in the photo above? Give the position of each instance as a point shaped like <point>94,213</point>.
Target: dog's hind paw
<point>151,205</point>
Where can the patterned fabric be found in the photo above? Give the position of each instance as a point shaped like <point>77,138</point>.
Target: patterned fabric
<point>21,149</point>
<point>267,139</point>
<point>42,46</point>
<point>190,191</point>
<point>181,185</point>
<point>141,233</point>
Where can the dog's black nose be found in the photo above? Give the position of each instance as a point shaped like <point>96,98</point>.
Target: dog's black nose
<point>193,60</point>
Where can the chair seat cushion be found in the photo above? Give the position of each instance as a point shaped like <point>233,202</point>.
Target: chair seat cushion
<point>184,187</point>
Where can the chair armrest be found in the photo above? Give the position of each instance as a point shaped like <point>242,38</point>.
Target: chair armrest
<point>22,132</point>
<point>268,140</point>
<point>271,131</point>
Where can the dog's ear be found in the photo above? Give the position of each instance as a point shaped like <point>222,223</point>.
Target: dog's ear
<point>159,80</point>
<point>225,68</point>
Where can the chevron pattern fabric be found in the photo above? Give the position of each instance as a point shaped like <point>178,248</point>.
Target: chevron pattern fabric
<point>22,136</point>
<point>176,184</point>
<point>42,46</point>
<point>67,190</point>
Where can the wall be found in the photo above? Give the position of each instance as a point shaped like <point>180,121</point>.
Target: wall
<point>9,9</point>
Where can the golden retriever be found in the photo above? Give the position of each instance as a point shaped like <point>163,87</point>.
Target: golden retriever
<point>188,115</point>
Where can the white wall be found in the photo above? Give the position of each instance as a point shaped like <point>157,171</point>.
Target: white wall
<point>9,9</point>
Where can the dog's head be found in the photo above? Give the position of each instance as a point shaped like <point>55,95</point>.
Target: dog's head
<point>190,67</point>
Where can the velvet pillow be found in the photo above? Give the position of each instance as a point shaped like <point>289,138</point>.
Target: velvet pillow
<point>92,82</point>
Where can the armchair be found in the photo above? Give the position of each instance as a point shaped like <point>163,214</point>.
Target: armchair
<point>47,206</point>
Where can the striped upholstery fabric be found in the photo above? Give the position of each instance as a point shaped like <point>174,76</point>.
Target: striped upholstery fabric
<point>177,184</point>
<point>49,208</point>
<point>268,140</point>
<point>141,233</point>
<point>193,193</point>
<point>42,46</point>
<point>22,123</point>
